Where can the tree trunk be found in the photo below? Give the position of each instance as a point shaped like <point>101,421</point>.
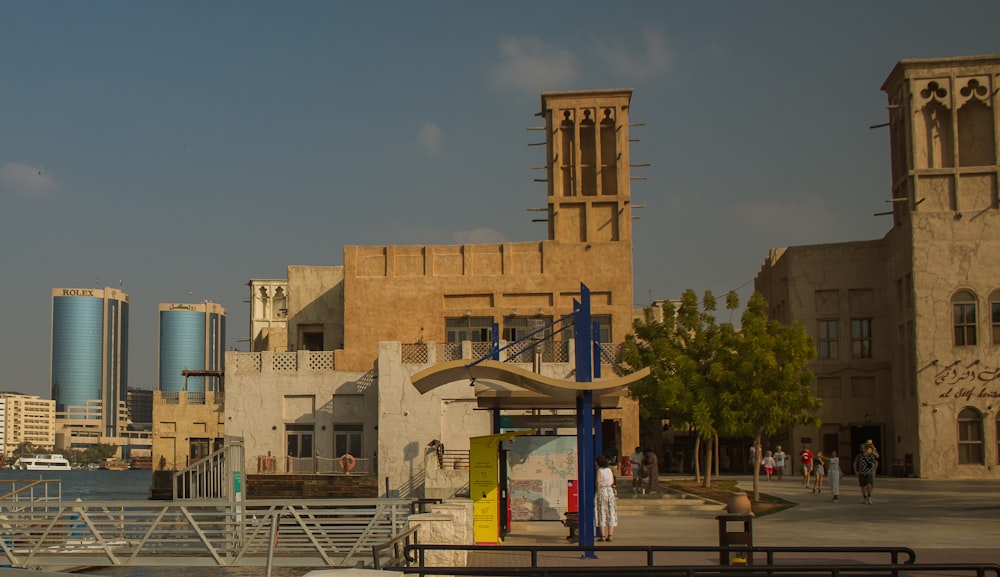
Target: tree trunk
<point>697,459</point>
<point>717,456</point>
<point>756,469</point>
<point>708,464</point>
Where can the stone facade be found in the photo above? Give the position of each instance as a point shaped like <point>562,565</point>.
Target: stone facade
<point>334,346</point>
<point>908,326</point>
<point>187,427</point>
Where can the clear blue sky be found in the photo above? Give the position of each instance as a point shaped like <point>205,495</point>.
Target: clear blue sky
<point>183,148</point>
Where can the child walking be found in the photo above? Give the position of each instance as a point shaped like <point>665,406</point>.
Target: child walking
<point>769,464</point>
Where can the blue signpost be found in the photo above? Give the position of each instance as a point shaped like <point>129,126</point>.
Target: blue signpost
<point>585,419</point>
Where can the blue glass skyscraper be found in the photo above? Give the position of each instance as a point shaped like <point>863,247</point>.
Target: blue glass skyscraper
<point>90,353</point>
<point>192,337</point>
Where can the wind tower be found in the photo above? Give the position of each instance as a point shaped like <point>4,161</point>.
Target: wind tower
<point>587,163</point>
<point>945,247</point>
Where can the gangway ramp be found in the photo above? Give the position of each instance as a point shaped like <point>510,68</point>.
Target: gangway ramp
<point>193,533</point>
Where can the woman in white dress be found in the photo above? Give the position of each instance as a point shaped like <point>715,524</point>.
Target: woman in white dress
<point>833,472</point>
<point>605,500</point>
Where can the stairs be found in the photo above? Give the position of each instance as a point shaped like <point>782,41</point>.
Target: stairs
<point>667,502</point>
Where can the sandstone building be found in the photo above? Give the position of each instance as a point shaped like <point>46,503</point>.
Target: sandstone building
<point>334,347</point>
<point>908,326</point>
<point>26,421</point>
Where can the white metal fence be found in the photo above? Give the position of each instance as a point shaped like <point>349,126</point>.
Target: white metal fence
<point>279,533</point>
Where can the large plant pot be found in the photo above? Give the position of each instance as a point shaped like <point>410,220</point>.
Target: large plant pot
<point>739,504</point>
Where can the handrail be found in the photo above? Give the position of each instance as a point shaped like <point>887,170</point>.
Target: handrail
<point>415,553</point>
<point>209,476</point>
<point>420,505</point>
<point>29,486</point>
<point>198,532</point>
<point>398,556</point>
<point>834,570</point>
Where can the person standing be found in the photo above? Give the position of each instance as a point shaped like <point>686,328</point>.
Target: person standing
<point>779,462</point>
<point>819,461</point>
<point>806,458</point>
<point>636,460</point>
<point>865,466</point>
<point>653,467</point>
<point>833,471</point>
<point>605,501</point>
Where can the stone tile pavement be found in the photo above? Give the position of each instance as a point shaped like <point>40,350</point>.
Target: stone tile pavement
<point>943,521</point>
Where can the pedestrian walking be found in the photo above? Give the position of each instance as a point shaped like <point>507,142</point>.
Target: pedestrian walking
<point>769,464</point>
<point>865,466</point>
<point>819,462</point>
<point>779,462</point>
<point>806,458</point>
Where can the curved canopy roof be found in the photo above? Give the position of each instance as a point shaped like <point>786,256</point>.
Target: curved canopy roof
<point>502,385</point>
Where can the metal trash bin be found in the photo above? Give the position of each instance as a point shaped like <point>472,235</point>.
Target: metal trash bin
<point>741,537</point>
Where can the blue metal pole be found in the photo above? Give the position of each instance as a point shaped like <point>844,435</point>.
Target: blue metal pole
<point>585,421</point>
<point>598,420</point>
<point>598,433</point>
<point>495,355</point>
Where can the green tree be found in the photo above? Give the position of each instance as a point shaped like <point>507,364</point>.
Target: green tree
<point>687,352</point>
<point>92,455</point>
<point>768,390</point>
<point>719,380</point>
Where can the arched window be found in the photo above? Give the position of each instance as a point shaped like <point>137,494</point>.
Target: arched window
<point>995,316</point>
<point>970,437</point>
<point>963,306</point>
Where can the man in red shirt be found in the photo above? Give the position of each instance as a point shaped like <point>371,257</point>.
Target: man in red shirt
<point>806,458</point>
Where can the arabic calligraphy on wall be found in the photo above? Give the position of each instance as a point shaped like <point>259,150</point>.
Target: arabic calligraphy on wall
<point>967,383</point>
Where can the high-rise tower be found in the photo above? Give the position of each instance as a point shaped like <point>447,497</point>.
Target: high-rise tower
<point>90,354</point>
<point>192,337</point>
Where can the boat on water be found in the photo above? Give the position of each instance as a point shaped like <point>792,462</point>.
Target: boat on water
<point>144,462</point>
<point>113,464</point>
<point>53,462</point>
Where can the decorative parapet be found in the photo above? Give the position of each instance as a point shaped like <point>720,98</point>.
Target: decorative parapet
<point>187,397</point>
<point>523,352</point>
<point>246,363</point>
<point>414,354</point>
<point>283,362</point>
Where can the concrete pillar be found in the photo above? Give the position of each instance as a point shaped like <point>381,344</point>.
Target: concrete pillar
<point>439,528</point>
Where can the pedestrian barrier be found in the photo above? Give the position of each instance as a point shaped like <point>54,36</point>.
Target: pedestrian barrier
<point>660,555</point>
<point>835,570</point>
<point>197,533</point>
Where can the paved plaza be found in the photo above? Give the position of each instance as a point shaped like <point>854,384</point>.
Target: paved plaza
<point>943,521</point>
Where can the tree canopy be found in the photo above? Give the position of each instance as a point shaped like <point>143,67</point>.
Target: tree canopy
<point>717,379</point>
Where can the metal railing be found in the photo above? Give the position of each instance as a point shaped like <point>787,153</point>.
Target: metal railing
<point>328,466</point>
<point>397,545</point>
<point>654,553</point>
<point>282,533</point>
<point>453,459</point>
<point>270,465</point>
<point>549,561</point>
<point>31,490</point>
<point>211,477</point>
<point>845,569</point>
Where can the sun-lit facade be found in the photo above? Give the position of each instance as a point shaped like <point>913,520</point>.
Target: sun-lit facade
<point>907,327</point>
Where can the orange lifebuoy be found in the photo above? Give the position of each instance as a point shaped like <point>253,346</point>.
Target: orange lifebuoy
<point>347,462</point>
